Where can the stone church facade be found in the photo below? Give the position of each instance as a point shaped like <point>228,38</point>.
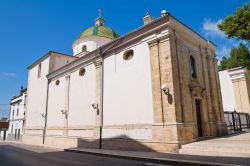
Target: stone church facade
<point>155,88</point>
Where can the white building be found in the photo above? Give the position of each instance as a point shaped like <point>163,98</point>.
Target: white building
<point>235,89</point>
<point>150,89</point>
<point>17,114</point>
<point>4,124</point>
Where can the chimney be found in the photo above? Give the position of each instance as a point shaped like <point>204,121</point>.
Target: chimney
<point>147,18</point>
<point>21,90</point>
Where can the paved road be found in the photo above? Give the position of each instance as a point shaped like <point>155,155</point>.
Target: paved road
<point>25,155</point>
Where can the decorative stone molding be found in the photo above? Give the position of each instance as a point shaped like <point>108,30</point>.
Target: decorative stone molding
<point>98,63</point>
<point>237,73</point>
<point>148,18</point>
<point>197,90</point>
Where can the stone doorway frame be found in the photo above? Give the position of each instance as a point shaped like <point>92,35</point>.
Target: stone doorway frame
<point>199,118</point>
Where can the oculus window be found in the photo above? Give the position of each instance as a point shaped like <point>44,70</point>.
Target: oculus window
<point>128,55</point>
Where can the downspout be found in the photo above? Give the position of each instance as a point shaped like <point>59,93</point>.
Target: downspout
<point>101,98</point>
<point>102,90</point>
<point>46,112</point>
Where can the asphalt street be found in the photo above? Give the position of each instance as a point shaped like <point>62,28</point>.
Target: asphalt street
<point>25,155</point>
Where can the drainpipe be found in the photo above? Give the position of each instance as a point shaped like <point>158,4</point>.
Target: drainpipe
<point>101,98</point>
<point>46,112</point>
<point>102,90</point>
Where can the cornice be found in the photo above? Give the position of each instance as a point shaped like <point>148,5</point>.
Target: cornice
<point>108,48</point>
<point>190,34</point>
<point>50,53</point>
<point>140,33</point>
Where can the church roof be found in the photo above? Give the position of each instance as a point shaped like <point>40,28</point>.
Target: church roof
<point>100,31</point>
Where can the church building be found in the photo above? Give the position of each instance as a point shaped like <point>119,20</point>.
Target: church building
<point>153,89</point>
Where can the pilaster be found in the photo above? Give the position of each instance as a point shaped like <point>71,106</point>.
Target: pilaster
<point>66,106</point>
<point>98,91</point>
<point>207,95</point>
<point>241,86</point>
<point>164,128</point>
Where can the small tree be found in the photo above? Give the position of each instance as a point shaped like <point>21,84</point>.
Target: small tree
<point>224,63</point>
<point>238,24</point>
<point>239,57</point>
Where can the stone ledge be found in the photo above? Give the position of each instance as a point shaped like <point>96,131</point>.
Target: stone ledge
<point>142,156</point>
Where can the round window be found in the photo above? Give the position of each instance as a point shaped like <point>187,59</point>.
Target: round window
<point>57,82</point>
<point>84,48</point>
<point>82,72</point>
<point>128,55</point>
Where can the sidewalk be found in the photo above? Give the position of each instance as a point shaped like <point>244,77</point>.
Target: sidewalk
<point>237,145</point>
<point>166,158</point>
<point>228,150</point>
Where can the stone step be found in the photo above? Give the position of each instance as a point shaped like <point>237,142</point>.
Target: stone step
<point>214,153</point>
<point>232,148</point>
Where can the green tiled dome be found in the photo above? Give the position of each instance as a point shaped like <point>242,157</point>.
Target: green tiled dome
<point>101,31</point>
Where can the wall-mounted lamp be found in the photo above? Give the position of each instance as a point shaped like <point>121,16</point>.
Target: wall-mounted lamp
<point>165,89</point>
<point>43,115</point>
<point>95,106</point>
<point>63,112</point>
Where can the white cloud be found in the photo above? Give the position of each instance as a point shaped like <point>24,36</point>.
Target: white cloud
<point>223,51</point>
<point>9,74</point>
<point>211,28</point>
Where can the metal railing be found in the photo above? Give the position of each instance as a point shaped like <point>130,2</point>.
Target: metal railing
<point>237,121</point>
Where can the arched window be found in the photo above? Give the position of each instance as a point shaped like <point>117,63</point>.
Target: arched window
<point>84,48</point>
<point>192,67</point>
<point>128,55</point>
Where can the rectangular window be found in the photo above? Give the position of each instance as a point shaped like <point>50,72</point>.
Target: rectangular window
<point>11,129</point>
<point>13,113</point>
<point>17,112</point>
<point>39,70</point>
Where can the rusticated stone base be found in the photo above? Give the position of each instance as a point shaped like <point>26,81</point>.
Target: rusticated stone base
<point>114,144</point>
<point>130,145</point>
<point>222,129</point>
<point>60,142</point>
<point>33,139</point>
<point>133,145</point>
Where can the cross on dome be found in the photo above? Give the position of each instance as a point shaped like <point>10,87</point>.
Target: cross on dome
<point>99,21</point>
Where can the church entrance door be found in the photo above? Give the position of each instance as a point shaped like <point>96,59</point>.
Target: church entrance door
<point>198,117</point>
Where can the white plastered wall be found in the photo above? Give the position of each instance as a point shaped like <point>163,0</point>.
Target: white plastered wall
<point>127,88</point>
<point>56,103</point>
<point>36,98</point>
<point>227,91</point>
<point>81,96</point>
<point>92,43</point>
<point>59,61</point>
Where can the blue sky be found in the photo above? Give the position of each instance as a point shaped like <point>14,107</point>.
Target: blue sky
<point>31,28</point>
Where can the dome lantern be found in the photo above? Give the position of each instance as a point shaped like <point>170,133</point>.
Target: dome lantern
<point>94,37</point>
<point>99,21</point>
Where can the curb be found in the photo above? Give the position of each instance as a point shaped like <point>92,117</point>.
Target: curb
<point>153,160</point>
